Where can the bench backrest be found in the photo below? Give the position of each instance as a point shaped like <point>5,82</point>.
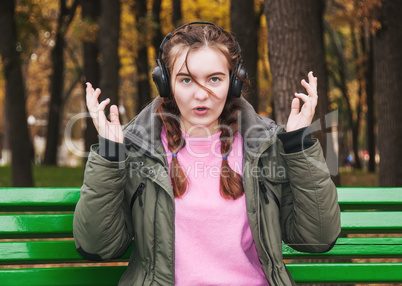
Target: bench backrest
<point>36,228</point>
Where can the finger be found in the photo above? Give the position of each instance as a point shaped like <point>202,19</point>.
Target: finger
<point>114,115</point>
<point>96,94</point>
<point>295,107</point>
<point>88,86</point>
<point>92,97</point>
<point>98,115</point>
<point>311,85</point>
<point>309,88</point>
<point>312,81</point>
<point>313,96</point>
<point>310,102</point>
<point>93,103</point>
<point>302,96</point>
<point>89,91</point>
<point>103,104</point>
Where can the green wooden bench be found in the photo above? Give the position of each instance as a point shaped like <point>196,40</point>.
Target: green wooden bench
<point>45,215</point>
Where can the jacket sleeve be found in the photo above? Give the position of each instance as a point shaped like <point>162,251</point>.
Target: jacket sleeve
<point>102,224</point>
<point>310,215</point>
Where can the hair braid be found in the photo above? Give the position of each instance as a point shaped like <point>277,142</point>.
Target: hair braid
<point>231,185</point>
<point>168,112</point>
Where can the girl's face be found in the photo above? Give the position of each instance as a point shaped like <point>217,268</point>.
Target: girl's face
<point>200,110</point>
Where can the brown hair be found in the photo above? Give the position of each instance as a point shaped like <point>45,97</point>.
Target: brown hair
<point>193,38</point>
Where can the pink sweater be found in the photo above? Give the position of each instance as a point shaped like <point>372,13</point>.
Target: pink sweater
<point>213,242</point>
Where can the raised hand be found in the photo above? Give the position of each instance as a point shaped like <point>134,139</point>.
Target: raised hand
<point>303,117</point>
<point>110,130</point>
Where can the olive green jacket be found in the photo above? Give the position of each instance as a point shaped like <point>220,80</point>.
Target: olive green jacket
<point>289,198</point>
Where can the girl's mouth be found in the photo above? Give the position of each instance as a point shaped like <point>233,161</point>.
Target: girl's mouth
<point>200,110</point>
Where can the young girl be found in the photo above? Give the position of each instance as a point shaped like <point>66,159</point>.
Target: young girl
<point>204,188</point>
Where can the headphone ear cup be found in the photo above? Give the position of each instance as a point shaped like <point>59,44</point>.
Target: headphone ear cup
<point>236,82</point>
<point>161,78</point>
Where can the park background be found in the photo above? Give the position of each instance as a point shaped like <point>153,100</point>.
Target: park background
<point>49,49</point>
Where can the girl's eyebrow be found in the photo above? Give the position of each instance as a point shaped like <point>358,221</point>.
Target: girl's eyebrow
<point>217,73</point>
<point>212,74</point>
<point>182,74</point>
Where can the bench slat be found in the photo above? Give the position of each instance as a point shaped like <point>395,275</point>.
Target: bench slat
<point>371,222</point>
<point>30,252</point>
<point>63,276</point>
<point>302,273</point>
<point>57,225</point>
<point>36,225</point>
<point>21,199</point>
<point>356,247</point>
<point>370,198</point>
<point>38,199</point>
<point>346,272</point>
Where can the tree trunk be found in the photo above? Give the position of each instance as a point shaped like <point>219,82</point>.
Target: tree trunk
<point>109,30</point>
<point>141,60</point>
<point>91,11</point>
<point>176,15</point>
<point>245,24</point>
<point>359,76</point>
<point>388,86</point>
<point>157,36</point>
<point>16,119</point>
<point>57,84</point>
<point>366,40</point>
<point>56,99</point>
<point>370,105</point>
<point>295,47</point>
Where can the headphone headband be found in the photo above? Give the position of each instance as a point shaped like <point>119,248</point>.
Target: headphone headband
<point>201,23</point>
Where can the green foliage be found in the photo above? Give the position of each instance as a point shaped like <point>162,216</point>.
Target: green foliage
<point>214,11</point>
<point>86,30</point>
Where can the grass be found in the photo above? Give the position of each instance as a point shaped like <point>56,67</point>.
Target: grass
<point>358,178</point>
<point>51,176</point>
<point>48,176</point>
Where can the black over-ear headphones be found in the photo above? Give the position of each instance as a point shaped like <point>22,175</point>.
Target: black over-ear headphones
<point>161,75</point>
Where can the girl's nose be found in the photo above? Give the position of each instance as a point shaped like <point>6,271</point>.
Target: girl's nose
<point>200,93</point>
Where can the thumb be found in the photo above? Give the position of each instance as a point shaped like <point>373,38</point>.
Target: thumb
<point>295,107</point>
<point>114,115</point>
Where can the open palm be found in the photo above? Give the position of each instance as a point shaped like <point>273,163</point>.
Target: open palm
<point>110,130</point>
<point>303,117</point>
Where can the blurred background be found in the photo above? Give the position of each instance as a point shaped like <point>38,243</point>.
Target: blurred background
<point>50,48</point>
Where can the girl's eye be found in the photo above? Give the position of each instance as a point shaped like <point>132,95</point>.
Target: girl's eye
<point>186,80</point>
<point>215,79</point>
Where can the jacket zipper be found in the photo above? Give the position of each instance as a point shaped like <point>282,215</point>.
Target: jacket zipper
<point>262,244</point>
<point>267,191</point>
<point>147,153</point>
<point>145,277</point>
<point>264,192</point>
<point>166,167</point>
<point>137,194</point>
